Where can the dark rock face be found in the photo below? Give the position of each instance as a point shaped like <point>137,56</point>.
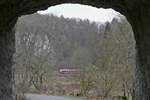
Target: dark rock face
<point>140,21</point>
<point>136,11</point>
<point>7,44</point>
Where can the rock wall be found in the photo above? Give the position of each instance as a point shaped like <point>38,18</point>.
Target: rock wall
<point>7,48</point>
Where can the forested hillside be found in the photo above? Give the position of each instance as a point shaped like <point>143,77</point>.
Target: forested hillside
<point>103,52</point>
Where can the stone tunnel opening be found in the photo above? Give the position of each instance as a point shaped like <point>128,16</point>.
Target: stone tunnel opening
<point>74,50</point>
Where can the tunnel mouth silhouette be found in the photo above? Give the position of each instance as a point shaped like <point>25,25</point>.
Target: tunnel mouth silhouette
<point>41,40</point>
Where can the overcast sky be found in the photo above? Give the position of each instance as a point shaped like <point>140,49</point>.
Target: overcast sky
<point>82,12</point>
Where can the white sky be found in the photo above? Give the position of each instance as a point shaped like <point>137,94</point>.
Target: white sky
<point>82,12</point>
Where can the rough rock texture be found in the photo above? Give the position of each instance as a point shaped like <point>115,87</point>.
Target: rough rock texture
<point>7,44</point>
<point>140,21</point>
<point>137,12</point>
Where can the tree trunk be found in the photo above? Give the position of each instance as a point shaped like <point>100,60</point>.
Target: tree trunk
<point>7,48</point>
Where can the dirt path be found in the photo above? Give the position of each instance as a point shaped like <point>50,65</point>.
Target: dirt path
<point>45,97</point>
